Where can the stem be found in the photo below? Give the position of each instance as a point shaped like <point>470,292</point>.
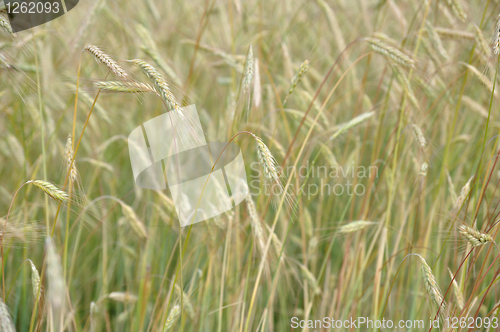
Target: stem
<point>2,235</point>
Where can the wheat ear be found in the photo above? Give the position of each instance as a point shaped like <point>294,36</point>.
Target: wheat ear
<point>122,297</point>
<point>267,160</point>
<point>431,285</point>
<point>172,316</point>
<point>355,226</point>
<point>161,86</point>
<point>419,136</point>
<point>35,280</point>
<point>303,69</point>
<point>256,224</point>
<point>6,324</point>
<point>134,222</point>
<point>106,60</point>
<point>390,51</point>
<point>459,297</point>
<point>70,163</point>
<point>475,237</point>
<point>481,42</point>
<point>463,195</point>
<point>496,38</point>
<point>457,9</point>
<point>4,23</point>
<point>51,190</point>
<point>126,87</point>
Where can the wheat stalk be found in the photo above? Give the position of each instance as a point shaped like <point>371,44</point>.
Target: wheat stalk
<point>475,237</point>
<point>106,60</point>
<point>56,289</point>
<point>6,324</point>
<point>93,311</point>
<point>126,87</point>
<point>51,190</point>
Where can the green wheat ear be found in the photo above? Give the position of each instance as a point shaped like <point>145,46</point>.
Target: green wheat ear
<point>6,324</point>
<point>125,87</point>
<point>51,190</point>
<point>4,24</point>
<point>475,237</point>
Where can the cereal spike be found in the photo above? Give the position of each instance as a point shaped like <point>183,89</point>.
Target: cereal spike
<point>106,60</point>
<point>127,87</point>
<point>475,237</point>
<point>52,191</point>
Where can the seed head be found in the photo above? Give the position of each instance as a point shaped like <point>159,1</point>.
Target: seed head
<point>475,237</point>
<point>51,190</point>
<point>127,87</point>
<point>355,226</point>
<point>106,60</point>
